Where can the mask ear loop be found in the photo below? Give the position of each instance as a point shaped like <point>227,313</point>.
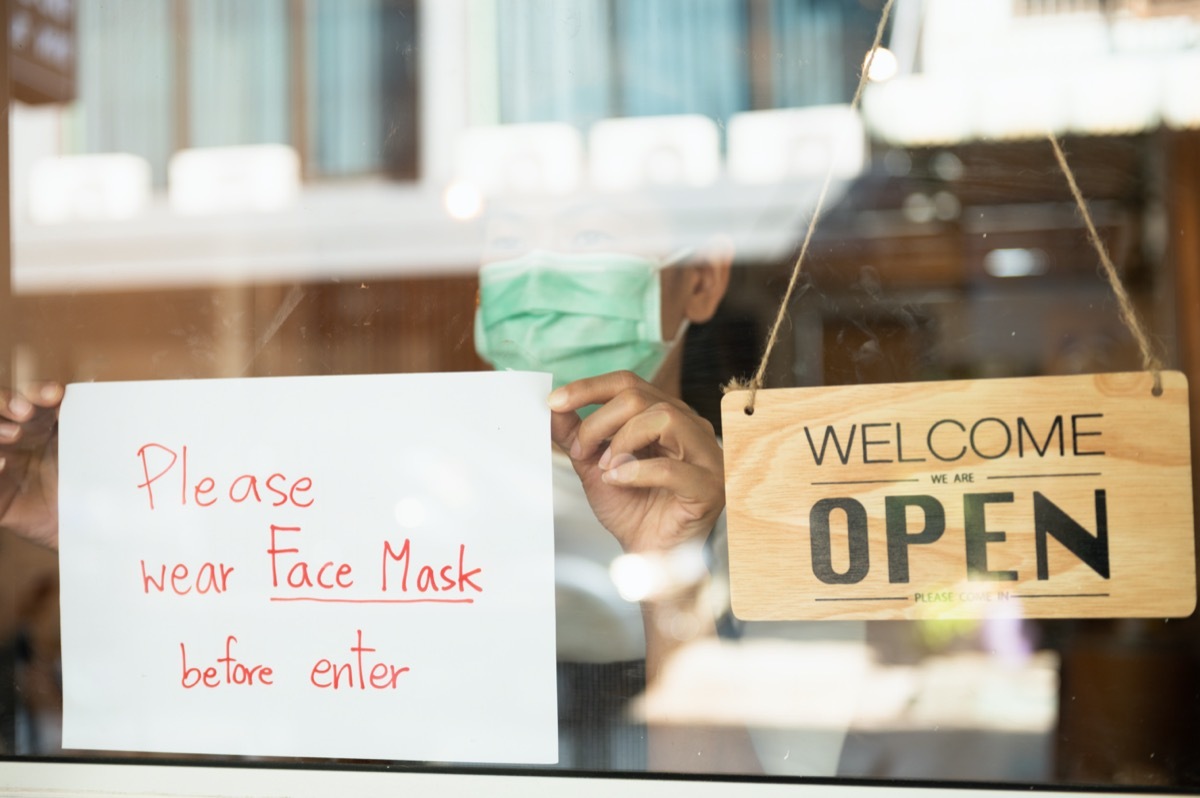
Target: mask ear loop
<point>674,259</point>
<point>681,333</point>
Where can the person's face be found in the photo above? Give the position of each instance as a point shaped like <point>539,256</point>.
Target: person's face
<point>691,288</point>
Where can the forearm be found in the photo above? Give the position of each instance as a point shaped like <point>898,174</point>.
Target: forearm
<point>29,499</point>
<point>29,462</point>
<point>675,745</point>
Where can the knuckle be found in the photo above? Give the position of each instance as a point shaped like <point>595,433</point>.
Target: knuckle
<point>659,469</point>
<point>633,400</point>
<point>627,379</point>
<point>667,409</point>
<point>586,433</point>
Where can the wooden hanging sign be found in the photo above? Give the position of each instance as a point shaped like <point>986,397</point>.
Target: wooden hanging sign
<point>1046,497</point>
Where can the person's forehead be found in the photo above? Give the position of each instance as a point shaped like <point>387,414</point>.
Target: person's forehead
<point>616,223</point>
<point>574,210</point>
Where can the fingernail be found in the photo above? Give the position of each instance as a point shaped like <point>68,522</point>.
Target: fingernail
<point>2,462</point>
<point>557,399</point>
<point>8,431</point>
<point>19,405</point>
<point>604,458</point>
<point>576,449</point>
<point>622,473</point>
<point>51,392</point>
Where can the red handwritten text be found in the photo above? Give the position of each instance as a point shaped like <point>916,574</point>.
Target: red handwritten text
<point>210,578</point>
<point>160,463</point>
<point>348,675</point>
<point>300,574</point>
<point>233,672</point>
<point>428,579</point>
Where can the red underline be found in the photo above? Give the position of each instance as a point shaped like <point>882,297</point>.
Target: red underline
<point>320,600</point>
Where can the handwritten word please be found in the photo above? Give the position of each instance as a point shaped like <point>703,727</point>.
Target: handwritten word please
<point>171,467</point>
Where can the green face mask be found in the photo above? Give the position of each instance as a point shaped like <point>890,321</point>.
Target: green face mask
<point>574,315</point>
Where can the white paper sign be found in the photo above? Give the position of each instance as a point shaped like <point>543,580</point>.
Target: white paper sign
<point>315,566</point>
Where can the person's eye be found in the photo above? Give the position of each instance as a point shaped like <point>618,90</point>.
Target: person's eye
<point>591,239</point>
<point>505,243</point>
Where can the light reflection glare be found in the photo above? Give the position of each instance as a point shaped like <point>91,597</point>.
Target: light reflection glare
<point>825,682</point>
<point>106,187</point>
<point>1015,262</point>
<point>244,178</point>
<point>883,66</point>
<point>635,577</point>
<point>919,208</point>
<point>463,201</point>
<point>653,575</point>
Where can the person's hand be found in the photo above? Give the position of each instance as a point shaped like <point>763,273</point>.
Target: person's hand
<point>29,462</point>
<point>651,467</point>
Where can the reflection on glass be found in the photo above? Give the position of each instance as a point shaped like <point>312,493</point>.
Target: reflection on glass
<point>313,187</point>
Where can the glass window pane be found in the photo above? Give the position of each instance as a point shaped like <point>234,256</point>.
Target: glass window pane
<point>126,97</point>
<point>615,192</point>
<point>238,73</point>
<point>345,111</point>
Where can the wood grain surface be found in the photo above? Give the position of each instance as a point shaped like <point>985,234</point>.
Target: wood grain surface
<point>1040,497</point>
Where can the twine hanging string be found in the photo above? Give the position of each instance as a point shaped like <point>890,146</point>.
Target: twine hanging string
<point>756,382</point>
<point>1129,317</point>
<point>1128,314</point>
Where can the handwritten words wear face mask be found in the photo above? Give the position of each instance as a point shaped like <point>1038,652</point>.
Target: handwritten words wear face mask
<point>575,315</point>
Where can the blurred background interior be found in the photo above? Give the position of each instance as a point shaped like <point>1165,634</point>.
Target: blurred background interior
<point>220,188</point>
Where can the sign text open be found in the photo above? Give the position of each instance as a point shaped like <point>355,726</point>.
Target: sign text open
<point>1044,497</point>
